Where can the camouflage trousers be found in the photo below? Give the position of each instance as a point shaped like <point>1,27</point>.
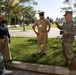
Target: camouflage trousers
<point>67,47</point>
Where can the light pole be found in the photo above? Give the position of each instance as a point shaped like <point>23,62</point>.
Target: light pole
<point>23,23</point>
<point>23,19</point>
<point>31,18</point>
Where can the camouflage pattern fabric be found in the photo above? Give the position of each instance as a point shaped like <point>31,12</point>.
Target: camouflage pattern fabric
<point>67,46</point>
<point>67,40</point>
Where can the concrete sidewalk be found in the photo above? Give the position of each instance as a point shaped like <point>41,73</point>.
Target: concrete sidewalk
<point>54,33</point>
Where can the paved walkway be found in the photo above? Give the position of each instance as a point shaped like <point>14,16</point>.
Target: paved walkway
<point>54,33</point>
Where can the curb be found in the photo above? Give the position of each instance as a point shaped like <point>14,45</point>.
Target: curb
<point>39,68</point>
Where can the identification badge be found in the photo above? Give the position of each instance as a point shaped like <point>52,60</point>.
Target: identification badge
<point>74,25</point>
<point>40,26</point>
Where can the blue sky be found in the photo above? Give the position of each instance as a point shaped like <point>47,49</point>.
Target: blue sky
<point>50,7</point>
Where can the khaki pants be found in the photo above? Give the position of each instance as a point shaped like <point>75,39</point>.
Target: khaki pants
<point>42,39</point>
<point>4,48</point>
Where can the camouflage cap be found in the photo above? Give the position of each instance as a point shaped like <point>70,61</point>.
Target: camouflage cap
<point>67,12</point>
<point>41,13</point>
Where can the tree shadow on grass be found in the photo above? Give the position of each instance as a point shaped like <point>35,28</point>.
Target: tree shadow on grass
<point>33,41</point>
<point>25,51</point>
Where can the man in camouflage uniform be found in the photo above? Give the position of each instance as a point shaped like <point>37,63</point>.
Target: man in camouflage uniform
<point>68,33</point>
<point>42,35</point>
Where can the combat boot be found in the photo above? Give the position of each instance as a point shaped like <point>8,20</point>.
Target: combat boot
<point>73,67</point>
<point>65,64</point>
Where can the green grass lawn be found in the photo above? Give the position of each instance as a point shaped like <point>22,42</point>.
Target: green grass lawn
<point>25,50</point>
<point>53,26</point>
<point>28,27</point>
